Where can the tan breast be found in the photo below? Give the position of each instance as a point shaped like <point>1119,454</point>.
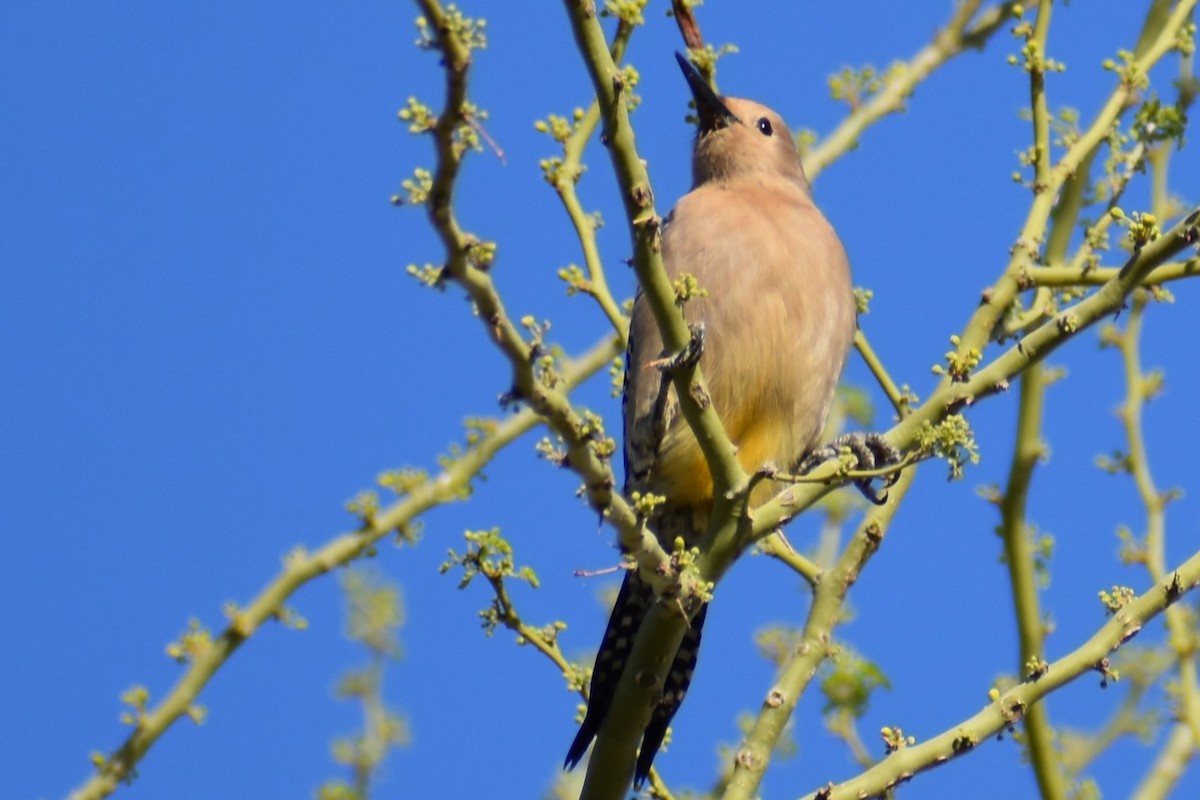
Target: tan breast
<point>779,320</point>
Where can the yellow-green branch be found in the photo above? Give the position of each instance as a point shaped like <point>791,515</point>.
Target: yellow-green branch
<point>754,755</point>
<point>1182,637</point>
<point>588,454</point>
<point>302,567</point>
<point>1019,555</point>
<point>1008,708</point>
<point>954,39</point>
<point>1000,296</point>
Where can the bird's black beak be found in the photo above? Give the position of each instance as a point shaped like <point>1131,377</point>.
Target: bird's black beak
<point>711,110</point>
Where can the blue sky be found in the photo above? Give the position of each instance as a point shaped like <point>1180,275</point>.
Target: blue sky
<point>209,344</point>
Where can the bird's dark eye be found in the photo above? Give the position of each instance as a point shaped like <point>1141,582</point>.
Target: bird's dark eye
<point>764,126</point>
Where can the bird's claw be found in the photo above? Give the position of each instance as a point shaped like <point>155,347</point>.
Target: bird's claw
<point>689,356</point>
<point>870,450</point>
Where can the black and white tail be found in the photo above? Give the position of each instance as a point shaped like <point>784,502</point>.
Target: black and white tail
<point>633,603</point>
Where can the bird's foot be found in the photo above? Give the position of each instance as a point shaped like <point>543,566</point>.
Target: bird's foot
<point>871,452</point>
<point>689,356</point>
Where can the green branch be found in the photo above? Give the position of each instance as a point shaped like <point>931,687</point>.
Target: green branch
<point>1169,766</point>
<point>302,567</point>
<point>565,177</point>
<point>1001,295</point>
<point>1182,638</point>
<point>1019,557</point>
<point>777,546</point>
<point>1037,64</point>
<point>1030,349</point>
<point>1072,276</point>
<point>898,399</point>
<point>903,80</point>
<point>816,639</point>
<point>1008,708</point>
<point>588,451</point>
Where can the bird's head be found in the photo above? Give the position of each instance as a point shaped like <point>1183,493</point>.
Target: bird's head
<point>739,139</point>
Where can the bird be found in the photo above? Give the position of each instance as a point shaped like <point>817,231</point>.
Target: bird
<point>778,313</point>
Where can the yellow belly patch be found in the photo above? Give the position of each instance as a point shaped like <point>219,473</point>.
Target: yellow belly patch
<point>684,473</point>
